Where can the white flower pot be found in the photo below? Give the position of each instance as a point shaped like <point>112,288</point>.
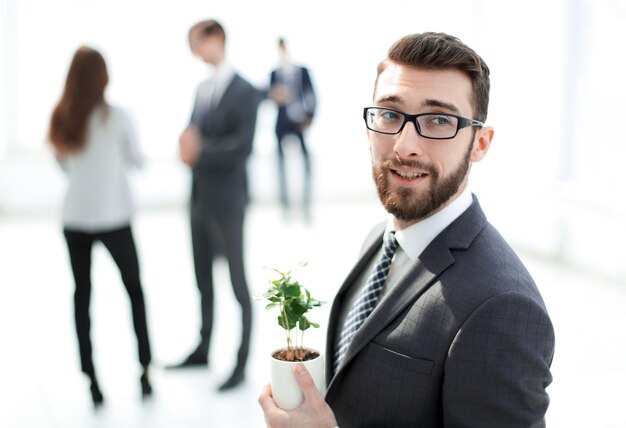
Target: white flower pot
<point>285,389</point>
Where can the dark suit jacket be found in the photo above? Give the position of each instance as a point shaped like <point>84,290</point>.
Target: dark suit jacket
<point>220,176</point>
<point>302,103</point>
<point>463,340</point>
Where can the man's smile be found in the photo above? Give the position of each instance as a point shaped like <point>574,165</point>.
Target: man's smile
<point>408,174</point>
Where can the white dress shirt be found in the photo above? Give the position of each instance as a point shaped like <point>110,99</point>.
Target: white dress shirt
<point>98,196</point>
<point>210,91</point>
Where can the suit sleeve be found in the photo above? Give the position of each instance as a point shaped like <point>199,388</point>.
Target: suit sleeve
<point>309,99</point>
<point>227,150</point>
<point>273,79</point>
<point>498,366</point>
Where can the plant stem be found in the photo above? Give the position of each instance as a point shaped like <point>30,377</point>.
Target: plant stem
<point>302,345</point>
<point>287,332</point>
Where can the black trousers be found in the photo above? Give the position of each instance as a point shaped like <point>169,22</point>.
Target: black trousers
<point>216,232</point>
<point>282,136</point>
<point>121,246</point>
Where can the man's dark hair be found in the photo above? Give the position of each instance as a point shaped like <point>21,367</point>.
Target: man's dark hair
<point>442,51</point>
<point>208,27</point>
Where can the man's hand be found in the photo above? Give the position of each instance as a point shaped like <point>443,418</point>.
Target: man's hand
<point>313,412</point>
<point>306,123</point>
<point>190,143</point>
<point>279,94</point>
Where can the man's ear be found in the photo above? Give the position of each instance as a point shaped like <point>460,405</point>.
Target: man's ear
<point>482,142</point>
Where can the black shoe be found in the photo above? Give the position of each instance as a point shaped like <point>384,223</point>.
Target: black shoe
<point>96,394</point>
<point>146,388</point>
<point>235,380</point>
<point>195,359</point>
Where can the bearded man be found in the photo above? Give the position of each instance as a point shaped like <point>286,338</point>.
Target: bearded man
<point>439,324</point>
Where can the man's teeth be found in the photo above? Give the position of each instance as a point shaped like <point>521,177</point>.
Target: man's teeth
<point>410,175</point>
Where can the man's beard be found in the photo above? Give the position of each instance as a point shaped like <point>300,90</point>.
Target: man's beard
<point>403,203</point>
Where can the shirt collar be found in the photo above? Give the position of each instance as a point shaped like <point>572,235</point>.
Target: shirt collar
<point>415,238</point>
<point>222,76</point>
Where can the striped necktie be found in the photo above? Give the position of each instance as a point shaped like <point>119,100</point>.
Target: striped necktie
<point>367,299</point>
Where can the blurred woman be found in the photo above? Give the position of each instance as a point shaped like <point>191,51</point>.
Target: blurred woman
<point>95,144</point>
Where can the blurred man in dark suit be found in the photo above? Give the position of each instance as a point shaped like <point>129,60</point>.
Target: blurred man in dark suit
<point>216,145</point>
<point>292,90</point>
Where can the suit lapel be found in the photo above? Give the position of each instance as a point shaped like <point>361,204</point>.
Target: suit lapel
<point>436,258</point>
<point>410,287</point>
<point>213,112</point>
<point>375,242</point>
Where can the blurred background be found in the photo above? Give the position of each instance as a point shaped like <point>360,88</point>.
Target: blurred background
<point>552,184</point>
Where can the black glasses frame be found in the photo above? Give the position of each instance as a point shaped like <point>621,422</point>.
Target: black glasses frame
<point>463,122</point>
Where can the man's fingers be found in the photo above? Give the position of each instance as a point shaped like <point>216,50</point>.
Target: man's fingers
<point>306,383</point>
<point>265,399</point>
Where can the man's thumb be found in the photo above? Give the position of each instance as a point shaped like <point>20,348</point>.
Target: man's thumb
<point>304,379</point>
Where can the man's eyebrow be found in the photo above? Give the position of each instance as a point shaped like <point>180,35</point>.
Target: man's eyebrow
<point>390,99</point>
<point>440,104</point>
<point>395,99</point>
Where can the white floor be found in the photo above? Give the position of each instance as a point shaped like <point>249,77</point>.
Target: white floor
<point>41,385</point>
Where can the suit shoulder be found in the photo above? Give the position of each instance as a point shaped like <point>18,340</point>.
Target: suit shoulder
<point>493,263</point>
<point>242,82</point>
<point>245,88</point>
<point>377,229</point>
<point>375,232</point>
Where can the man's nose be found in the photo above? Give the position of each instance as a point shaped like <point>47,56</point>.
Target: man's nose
<point>409,143</point>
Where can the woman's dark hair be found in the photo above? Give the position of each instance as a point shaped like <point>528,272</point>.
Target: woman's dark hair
<point>86,81</point>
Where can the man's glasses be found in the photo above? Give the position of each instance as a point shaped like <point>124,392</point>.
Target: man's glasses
<point>436,126</point>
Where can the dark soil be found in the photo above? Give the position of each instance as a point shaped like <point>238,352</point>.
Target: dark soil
<point>306,354</point>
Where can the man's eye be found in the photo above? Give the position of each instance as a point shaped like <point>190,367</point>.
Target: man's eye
<point>440,120</point>
<point>390,115</point>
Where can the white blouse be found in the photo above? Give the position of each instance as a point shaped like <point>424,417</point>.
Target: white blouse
<point>98,197</point>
